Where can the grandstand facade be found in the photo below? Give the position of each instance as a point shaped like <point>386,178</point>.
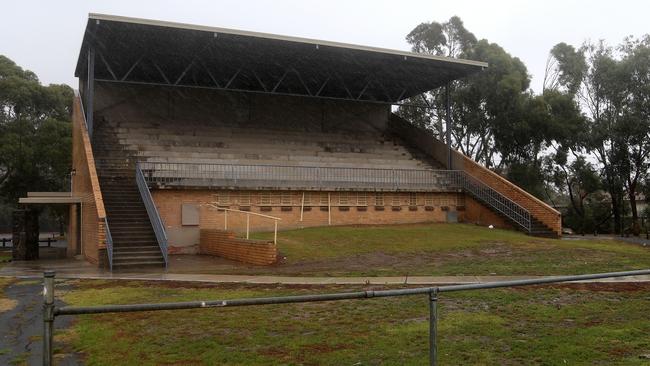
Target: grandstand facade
<point>181,128</point>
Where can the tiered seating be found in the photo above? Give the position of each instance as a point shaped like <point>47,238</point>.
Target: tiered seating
<point>180,142</point>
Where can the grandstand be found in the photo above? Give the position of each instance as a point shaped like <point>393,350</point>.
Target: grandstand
<point>179,118</point>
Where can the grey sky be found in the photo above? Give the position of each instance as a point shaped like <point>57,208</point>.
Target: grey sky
<point>45,36</point>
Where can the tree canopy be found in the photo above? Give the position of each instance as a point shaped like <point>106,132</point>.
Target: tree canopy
<point>35,133</point>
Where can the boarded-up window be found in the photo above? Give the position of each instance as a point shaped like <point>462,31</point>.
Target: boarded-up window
<point>307,198</point>
<point>286,199</point>
<point>244,199</point>
<point>223,198</point>
<point>344,198</point>
<point>396,200</point>
<point>189,214</point>
<point>379,199</point>
<point>324,199</point>
<point>413,199</point>
<point>265,199</point>
<point>362,199</point>
<point>428,199</point>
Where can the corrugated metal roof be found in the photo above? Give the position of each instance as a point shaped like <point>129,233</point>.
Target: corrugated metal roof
<point>158,52</point>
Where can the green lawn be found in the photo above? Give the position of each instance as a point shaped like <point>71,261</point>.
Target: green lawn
<point>441,249</point>
<point>582,324</point>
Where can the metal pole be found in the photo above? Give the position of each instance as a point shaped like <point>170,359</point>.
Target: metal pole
<point>225,220</point>
<point>48,316</point>
<point>90,90</point>
<point>248,220</point>
<point>433,326</point>
<point>329,209</point>
<point>275,232</point>
<point>448,129</point>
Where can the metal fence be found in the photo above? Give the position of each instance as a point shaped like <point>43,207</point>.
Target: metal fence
<point>152,212</point>
<point>303,177</point>
<point>50,311</point>
<point>496,200</point>
<point>109,243</point>
<point>306,177</point>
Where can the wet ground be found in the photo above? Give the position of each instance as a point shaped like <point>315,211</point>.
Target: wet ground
<point>21,324</point>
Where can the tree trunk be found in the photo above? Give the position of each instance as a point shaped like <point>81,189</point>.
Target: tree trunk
<point>636,226</point>
<point>25,235</point>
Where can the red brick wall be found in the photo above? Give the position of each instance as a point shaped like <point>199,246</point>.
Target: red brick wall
<point>85,184</point>
<point>169,201</point>
<point>476,213</point>
<point>224,244</point>
<point>426,142</point>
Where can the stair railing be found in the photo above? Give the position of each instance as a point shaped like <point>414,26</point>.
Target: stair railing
<point>109,243</point>
<point>512,210</point>
<point>152,212</point>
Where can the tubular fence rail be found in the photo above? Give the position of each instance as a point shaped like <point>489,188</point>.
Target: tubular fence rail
<point>279,176</point>
<point>308,177</point>
<point>50,311</point>
<point>152,212</point>
<point>109,243</point>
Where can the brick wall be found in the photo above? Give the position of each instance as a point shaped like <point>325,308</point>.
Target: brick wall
<point>85,184</point>
<point>358,208</point>
<point>224,244</point>
<point>426,142</point>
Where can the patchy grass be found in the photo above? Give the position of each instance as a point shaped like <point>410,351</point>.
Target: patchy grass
<point>5,303</point>
<point>441,249</point>
<point>576,324</point>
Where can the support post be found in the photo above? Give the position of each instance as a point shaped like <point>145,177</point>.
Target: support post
<point>302,205</point>
<point>90,90</point>
<point>48,316</point>
<point>329,209</point>
<point>433,326</point>
<point>449,126</point>
<point>248,224</point>
<point>275,232</point>
<point>225,220</point>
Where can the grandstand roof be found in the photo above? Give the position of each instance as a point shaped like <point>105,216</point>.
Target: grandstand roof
<point>132,50</point>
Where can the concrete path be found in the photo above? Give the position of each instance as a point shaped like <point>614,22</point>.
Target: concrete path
<point>76,269</point>
<point>21,326</point>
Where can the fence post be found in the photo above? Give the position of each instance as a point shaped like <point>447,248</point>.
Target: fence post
<point>48,316</point>
<point>248,224</point>
<point>433,326</point>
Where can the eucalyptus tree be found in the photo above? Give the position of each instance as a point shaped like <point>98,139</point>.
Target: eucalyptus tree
<point>35,133</point>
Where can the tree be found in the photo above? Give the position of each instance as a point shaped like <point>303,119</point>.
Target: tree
<point>481,102</point>
<point>35,133</point>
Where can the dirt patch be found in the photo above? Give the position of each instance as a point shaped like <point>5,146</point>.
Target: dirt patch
<point>7,304</point>
<point>595,286</point>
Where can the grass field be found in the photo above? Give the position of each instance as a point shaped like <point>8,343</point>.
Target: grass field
<point>577,324</point>
<point>442,249</point>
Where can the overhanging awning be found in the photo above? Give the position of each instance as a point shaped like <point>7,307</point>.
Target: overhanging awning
<point>131,50</point>
<point>49,198</point>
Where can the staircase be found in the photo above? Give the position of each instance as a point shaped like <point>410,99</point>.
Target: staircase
<point>537,228</point>
<point>134,243</point>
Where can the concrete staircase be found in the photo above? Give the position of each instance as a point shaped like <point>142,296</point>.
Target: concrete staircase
<point>134,243</point>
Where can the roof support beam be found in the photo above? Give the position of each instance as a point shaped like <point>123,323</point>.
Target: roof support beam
<point>225,88</point>
<point>90,89</point>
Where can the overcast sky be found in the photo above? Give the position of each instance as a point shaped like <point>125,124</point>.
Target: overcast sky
<point>45,36</point>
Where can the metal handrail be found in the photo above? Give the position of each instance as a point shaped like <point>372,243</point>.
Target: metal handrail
<point>109,243</point>
<point>310,177</point>
<point>247,213</point>
<point>152,212</point>
<point>496,200</point>
<point>286,176</point>
<point>81,105</point>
